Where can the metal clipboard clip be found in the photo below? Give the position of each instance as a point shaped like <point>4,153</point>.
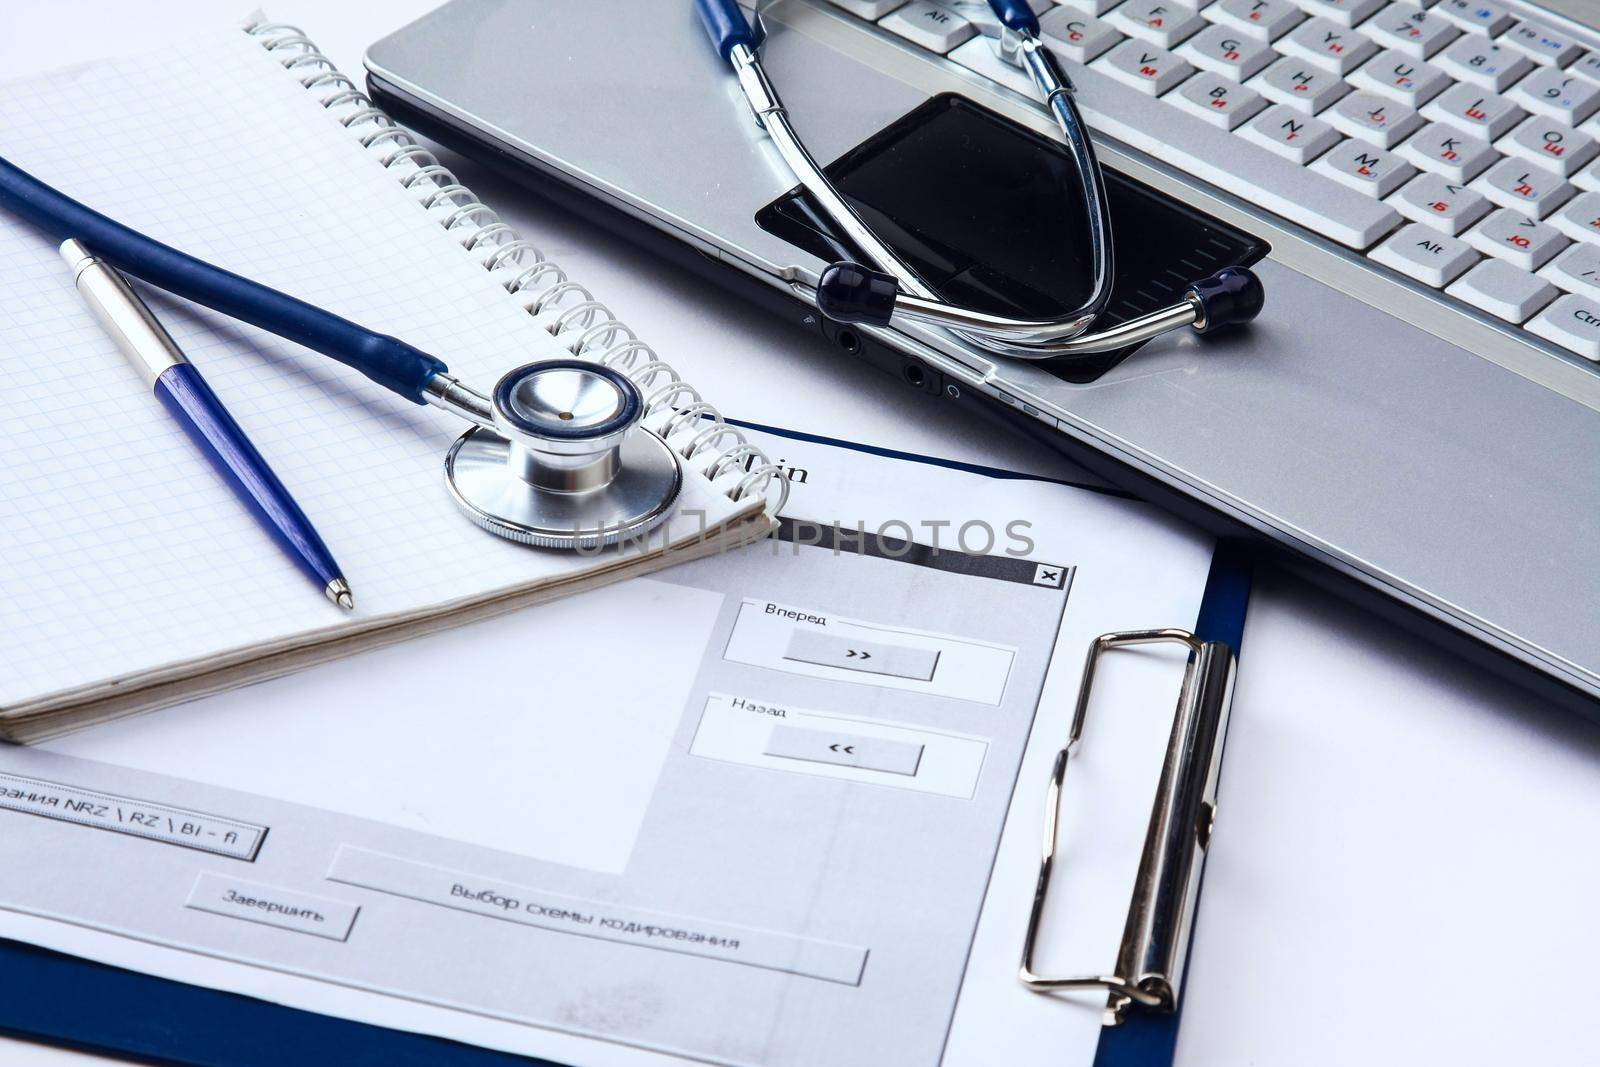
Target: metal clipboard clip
<point>1155,941</point>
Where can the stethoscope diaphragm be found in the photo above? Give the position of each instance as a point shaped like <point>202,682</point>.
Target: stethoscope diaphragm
<point>567,464</point>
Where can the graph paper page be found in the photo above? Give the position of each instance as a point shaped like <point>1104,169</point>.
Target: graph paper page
<point>121,549</point>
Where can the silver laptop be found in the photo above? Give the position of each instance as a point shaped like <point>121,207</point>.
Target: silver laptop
<point>1417,411</point>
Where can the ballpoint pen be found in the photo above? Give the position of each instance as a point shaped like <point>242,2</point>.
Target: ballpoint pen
<point>186,396</point>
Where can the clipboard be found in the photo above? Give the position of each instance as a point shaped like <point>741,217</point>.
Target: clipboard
<point>84,1004</point>
<point>1171,872</point>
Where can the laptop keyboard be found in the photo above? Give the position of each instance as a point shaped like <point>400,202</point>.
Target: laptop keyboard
<point>1452,141</point>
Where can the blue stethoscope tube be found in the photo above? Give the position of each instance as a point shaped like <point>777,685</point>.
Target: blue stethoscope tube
<point>727,26</point>
<point>389,361</point>
<point>542,477</point>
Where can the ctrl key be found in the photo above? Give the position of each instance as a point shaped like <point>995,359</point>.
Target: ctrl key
<point>1573,322</point>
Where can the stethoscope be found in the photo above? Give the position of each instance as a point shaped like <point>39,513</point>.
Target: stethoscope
<point>556,456</point>
<point>893,293</point>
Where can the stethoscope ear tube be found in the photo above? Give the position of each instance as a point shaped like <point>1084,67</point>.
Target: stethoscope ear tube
<point>386,360</point>
<point>890,290</point>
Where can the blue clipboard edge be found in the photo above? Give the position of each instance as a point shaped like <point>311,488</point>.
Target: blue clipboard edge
<point>1145,1040</point>
<point>95,1007</point>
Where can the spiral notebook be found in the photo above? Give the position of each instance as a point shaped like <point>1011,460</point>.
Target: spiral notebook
<point>131,578</point>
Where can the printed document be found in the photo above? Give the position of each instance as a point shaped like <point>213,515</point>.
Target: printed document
<point>776,806</point>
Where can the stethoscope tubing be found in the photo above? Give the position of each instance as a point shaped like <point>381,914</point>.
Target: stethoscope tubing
<point>739,43</point>
<point>890,289</point>
<point>388,361</point>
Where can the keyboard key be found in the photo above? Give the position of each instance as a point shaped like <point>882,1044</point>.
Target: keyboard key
<point>1579,218</point>
<point>1409,30</point>
<point>1249,171</point>
<point>1517,239</point>
<point>932,27</point>
<point>1298,84</point>
<point>1075,36</point>
<point>1430,257</point>
<point>1588,65</point>
<point>1346,13</point>
<point>1217,100</point>
<point>1576,270</point>
<point>1448,152</point>
<point>1475,111</point>
<point>1500,289</point>
<point>1361,166</point>
<point>1551,144</point>
<point>1541,44</point>
<point>1588,177</point>
<point>1400,78</point>
<point>1090,7</point>
<point>1484,64</point>
<point>1572,322</point>
<point>1264,20</point>
<point>1150,69</point>
<point>1328,45</point>
<point>1516,183</point>
<point>867,9</point>
<point>1227,51</point>
<point>1440,204</point>
<point>1374,119</point>
<point>1161,22</point>
<point>1291,134</point>
<point>1475,16</point>
<point>1559,94</point>
<point>978,55</point>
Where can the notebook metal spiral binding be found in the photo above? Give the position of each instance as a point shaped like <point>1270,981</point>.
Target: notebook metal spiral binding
<point>674,409</point>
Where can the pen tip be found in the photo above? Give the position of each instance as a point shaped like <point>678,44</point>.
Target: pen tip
<point>338,591</point>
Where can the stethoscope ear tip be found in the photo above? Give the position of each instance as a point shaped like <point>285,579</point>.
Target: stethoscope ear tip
<point>849,292</point>
<point>1230,297</point>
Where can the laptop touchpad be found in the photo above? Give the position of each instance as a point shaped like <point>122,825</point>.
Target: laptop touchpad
<point>990,213</point>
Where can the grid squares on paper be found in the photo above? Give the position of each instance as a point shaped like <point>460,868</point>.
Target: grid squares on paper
<point>120,549</point>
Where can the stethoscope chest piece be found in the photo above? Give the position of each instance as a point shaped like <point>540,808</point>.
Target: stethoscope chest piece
<point>567,464</point>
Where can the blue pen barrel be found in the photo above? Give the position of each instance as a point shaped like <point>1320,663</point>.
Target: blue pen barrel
<point>726,25</point>
<point>197,409</point>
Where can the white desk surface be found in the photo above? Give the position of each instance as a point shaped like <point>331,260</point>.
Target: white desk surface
<point>1404,859</point>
